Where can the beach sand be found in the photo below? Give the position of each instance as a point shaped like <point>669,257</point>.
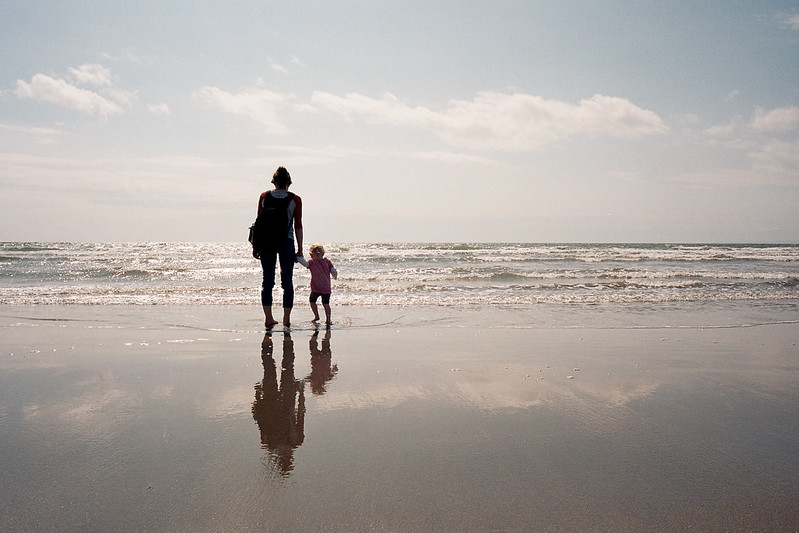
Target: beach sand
<point>428,419</point>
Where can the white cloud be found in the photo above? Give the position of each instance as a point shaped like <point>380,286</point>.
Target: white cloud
<point>722,130</point>
<point>91,74</point>
<point>125,55</point>
<point>778,158</point>
<point>126,98</point>
<point>454,158</point>
<point>159,110</point>
<point>277,67</point>
<point>31,130</point>
<point>181,162</point>
<point>779,120</point>
<point>302,155</point>
<point>714,178</point>
<point>59,92</point>
<point>506,122</point>
<point>258,104</point>
<point>792,22</point>
<point>294,61</point>
<point>33,135</point>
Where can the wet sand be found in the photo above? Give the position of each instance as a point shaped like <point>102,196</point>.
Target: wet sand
<point>175,419</point>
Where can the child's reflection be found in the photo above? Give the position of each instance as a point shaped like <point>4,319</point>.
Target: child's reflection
<point>322,369</point>
<point>280,411</point>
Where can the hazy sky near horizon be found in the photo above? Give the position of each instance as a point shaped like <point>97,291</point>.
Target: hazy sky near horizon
<point>411,120</point>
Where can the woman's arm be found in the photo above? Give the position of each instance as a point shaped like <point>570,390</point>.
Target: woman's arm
<point>298,224</point>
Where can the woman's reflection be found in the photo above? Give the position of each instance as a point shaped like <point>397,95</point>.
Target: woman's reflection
<point>322,369</point>
<point>279,411</point>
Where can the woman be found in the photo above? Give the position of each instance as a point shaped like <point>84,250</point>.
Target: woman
<point>281,196</point>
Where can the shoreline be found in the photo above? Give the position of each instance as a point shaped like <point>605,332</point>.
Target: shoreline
<point>398,419</point>
<point>611,315</point>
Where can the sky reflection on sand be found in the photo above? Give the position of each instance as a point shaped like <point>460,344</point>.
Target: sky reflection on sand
<point>491,371</point>
<point>426,425</point>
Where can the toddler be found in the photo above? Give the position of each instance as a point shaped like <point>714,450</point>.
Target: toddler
<point>321,269</point>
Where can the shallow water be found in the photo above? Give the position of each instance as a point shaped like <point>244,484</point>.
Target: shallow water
<point>403,274</point>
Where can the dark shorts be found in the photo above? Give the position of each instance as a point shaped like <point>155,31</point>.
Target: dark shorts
<point>315,296</point>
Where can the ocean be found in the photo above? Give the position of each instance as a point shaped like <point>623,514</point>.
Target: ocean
<point>478,274</point>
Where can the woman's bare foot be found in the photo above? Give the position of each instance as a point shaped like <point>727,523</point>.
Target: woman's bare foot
<point>270,320</point>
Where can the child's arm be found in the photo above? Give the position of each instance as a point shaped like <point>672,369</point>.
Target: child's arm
<point>333,272</point>
<point>301,260</point>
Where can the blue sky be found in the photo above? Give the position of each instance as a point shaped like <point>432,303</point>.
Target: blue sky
<point>534,121</point>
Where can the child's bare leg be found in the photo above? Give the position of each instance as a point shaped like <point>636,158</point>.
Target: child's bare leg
<point>327,313</point>
<point>315,309</point>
